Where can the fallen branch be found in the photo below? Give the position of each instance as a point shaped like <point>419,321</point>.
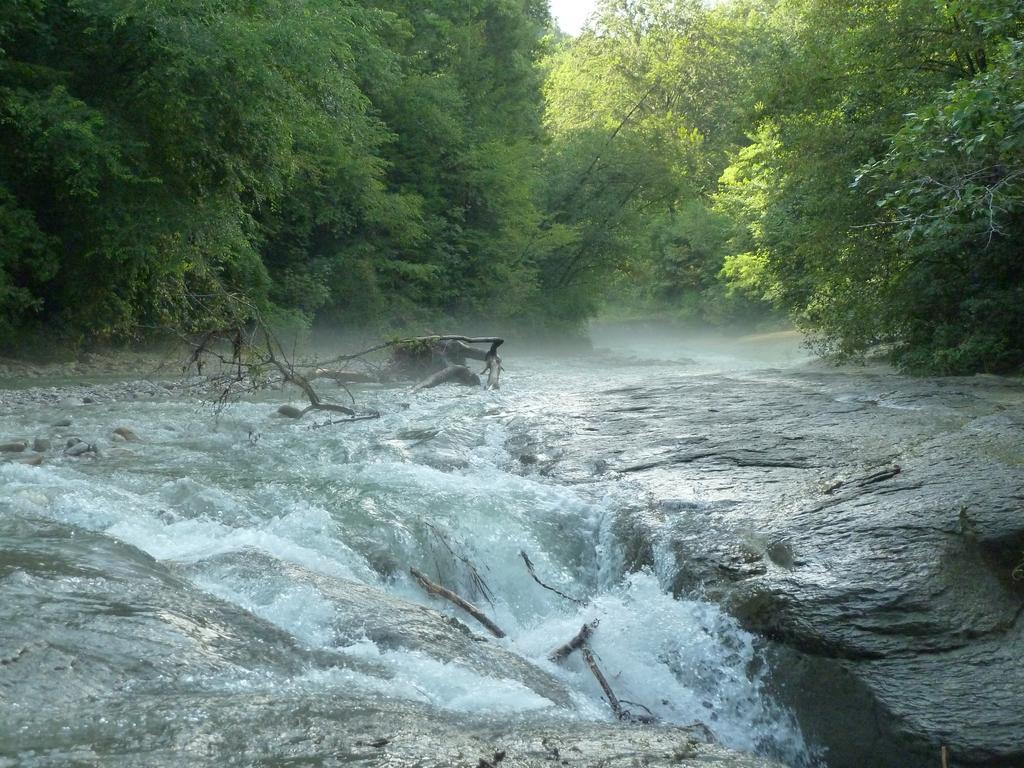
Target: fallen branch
<point>492,367</point>
<point>579,643</point>
<point>562,652</point>
<point>613,701</point>
<point>650,717</point>
<point>438,591</point>
<point>345,377</point>
<point>364,417</point>
<point>494,341</point>
<point>289,374</point>
<point>529,567</point>
<point>479,584</point>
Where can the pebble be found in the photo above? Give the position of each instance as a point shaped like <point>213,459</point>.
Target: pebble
<point>65,422</point>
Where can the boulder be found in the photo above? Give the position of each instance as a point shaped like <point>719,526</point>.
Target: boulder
<point>126,434</point>
<point>867,525</point>
<point>290,412</point>
<point>15,446</point>
<point>77,447</point>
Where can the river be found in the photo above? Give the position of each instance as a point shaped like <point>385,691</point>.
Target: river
<point>233,587</point>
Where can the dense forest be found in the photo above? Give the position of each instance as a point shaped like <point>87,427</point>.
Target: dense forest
<point>855,166</point>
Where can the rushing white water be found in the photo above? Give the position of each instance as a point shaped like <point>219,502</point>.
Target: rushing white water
<point>434,485</point>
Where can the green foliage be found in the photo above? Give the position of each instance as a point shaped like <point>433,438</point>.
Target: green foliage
<point>642,111</point>
<point>912,251</point>
<point>181,163</point>
<point>162,158</point>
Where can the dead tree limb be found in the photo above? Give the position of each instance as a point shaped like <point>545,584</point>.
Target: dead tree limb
<point>438,591</point>
<point>493,340</point>
<point>562,652</point>
<point>613,701</point>
<point>289,374</point>
<point>344,377</point>
<point>492,367</point>
<point>533,573</point>
<point>579,643</point>
<point>479,584</point>
<point>364,417</point>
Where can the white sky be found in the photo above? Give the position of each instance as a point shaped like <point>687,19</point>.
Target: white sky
<point>570,14</point>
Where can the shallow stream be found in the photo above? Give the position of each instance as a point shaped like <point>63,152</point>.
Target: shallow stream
<point>237,556</point>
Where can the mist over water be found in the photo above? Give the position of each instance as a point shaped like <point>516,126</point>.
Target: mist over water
<point>301,528</point>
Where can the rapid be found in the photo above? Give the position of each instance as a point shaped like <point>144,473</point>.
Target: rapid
<point>229,561</point>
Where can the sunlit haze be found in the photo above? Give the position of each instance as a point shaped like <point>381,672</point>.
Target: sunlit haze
<point>571,14</point>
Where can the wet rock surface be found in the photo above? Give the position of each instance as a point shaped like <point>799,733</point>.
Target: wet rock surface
<point>362,612</point>
<point>867,523</point>
<point>109,658</point>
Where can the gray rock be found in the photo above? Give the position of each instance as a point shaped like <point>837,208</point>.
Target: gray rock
<point>126,434</point>
<point>134,645</point>
<point>390,622</point>
<point>64,422</point>
<point>290,412</point>
<point>41,445</point>
<point>867,525</point>
<point>79,449</point>
<point>16,446</point>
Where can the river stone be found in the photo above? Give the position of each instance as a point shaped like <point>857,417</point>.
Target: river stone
<point>126,434</point>
<point>64,422</point>
<point>887,595</point>
<point>16,446</point>
<point>290,412</point>
<point>41,445</point>
<point>78,449</point>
